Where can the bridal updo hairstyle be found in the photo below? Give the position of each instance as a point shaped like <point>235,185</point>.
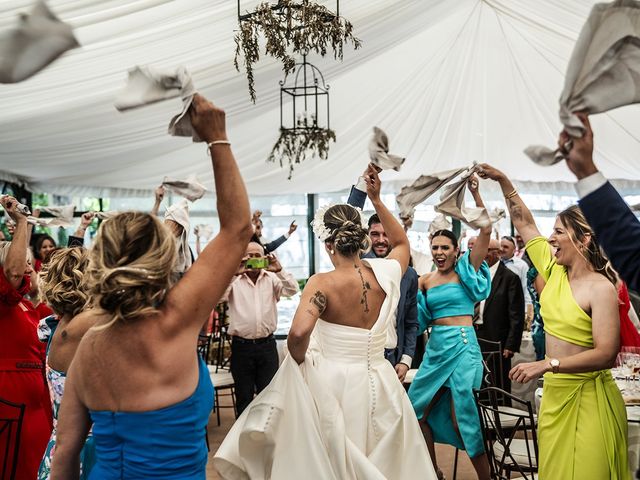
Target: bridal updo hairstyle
<point>61,281</point>
<point>130,266</point>
<point>347,234</point>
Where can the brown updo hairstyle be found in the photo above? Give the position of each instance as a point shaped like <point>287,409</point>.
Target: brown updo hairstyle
<point>578,229</point>
<point>61,281</point>
<point>130,266</point>
<point>347,234</point>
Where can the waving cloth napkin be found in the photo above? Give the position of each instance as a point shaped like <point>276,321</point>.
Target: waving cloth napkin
<point>440,222</point>
<point>451,200</point>
<point>452,203</point>
<point>191,188</point>
<point>36,41</point>
<point>147,85</point>
<point>603,72</point>
<point>422,188</point>
<point>179,213</point>
<point>62,217</point>
<point>379,152</point>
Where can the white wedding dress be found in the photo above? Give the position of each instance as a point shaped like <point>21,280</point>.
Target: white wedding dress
<point>342,414</point>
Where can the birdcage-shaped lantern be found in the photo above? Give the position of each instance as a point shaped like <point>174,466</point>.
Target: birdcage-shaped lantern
<point>304,99</point>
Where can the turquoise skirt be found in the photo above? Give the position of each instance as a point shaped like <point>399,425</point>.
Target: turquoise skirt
<point>452,360</point>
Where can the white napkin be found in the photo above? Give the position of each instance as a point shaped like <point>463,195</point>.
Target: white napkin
<point>204,231</point>
<point>440,222</point>
<point>147,85</point>
<point>36,41</point>
<point>191,188</point>
<point>62,217</point>
<point>451,199</point>
<point>603,72</point>
<point>422,188</point>
<point>179,213</point>
<point>379,152</point>
<point>452,203</point>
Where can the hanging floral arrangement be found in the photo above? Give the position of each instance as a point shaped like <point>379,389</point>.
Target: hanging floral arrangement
<point>296,146</point>
<point>290,27</point>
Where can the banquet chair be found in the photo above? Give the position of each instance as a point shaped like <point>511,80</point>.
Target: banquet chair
<point>223,382</point>
<point>11,416</point>
<point>204,347</point>
<point>511,449</point>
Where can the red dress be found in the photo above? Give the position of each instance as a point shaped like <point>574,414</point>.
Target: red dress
<point>21,375</point>
<point>629,336</point>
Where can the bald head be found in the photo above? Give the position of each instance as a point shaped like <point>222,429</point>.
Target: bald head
<point>471,242</point>
<point>493,253</point>
<point>254,249</point>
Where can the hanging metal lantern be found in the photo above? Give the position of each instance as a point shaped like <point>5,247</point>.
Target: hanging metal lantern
<point>304,117</point>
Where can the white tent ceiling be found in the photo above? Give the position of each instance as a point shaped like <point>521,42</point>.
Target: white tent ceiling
<point>450,81</point>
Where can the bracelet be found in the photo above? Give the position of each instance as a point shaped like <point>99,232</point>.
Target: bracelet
<point>511,194</point>
<point>217,142</point>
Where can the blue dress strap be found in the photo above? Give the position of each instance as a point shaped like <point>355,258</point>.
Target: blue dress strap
<point>476,284</point>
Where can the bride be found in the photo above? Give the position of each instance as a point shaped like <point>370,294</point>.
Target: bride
<point>335,409</point>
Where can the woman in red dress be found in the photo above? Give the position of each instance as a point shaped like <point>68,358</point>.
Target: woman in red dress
<point>21,362</point>
<point>629,336</point>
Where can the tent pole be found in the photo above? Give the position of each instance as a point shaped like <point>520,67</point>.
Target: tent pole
<point>311,208</point>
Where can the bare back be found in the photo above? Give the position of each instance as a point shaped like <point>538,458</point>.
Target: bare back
<point>66,339</point>
<point>135,366</point>
<point>347,303</point>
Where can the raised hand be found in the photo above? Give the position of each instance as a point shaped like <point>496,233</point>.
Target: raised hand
<point>293,227</point>
<point>372,180</point>
<point>208,120</point>
<point>579,156</point>
<point>10,204</point>
<point>274,264</point>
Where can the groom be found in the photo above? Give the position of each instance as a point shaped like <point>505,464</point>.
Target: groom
<point>407,312</point>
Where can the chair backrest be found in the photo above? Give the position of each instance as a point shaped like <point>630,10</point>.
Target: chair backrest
<point>501,442</point>
<point>492,359</point>
<point>11,416</point>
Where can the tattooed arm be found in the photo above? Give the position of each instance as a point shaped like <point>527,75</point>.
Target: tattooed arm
<point>521,216</point>
<point>312,305</point>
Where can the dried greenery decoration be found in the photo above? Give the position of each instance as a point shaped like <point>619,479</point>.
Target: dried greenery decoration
<point>289,28</point>
<point>297,146</point>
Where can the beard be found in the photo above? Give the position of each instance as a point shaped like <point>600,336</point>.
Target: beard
<point>379,246</point>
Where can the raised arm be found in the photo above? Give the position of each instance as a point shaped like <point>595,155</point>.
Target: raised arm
<point>480,249</point>
<point>521,216</point>
<point>15,264</point>
<point>395,232</point>
<point>193,298</point>
<point>159,194</point>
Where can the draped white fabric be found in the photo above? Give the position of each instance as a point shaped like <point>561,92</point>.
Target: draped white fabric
<point>449,82</point>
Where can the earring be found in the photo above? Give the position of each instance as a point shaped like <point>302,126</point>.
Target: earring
<point>332,251</point>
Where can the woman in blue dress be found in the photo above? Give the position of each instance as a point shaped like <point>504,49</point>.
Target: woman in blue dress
<point>442,390</point>
<point>136,374</point>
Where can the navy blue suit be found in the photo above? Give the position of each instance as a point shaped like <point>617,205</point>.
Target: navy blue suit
<point>617,230</point>
<point>407,312</point>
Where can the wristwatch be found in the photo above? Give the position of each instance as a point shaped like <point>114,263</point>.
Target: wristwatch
<point>555,365</point>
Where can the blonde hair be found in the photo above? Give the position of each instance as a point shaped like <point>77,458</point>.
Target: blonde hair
<point>130,266</point>
<point>61,283</point>
<point>579,229</point>
<point>347,233</point>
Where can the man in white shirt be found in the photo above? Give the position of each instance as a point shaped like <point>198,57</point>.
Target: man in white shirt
<point>253,316</point>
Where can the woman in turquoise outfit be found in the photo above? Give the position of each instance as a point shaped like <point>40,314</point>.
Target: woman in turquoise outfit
<point>136,374</point>
<point>442,390</point>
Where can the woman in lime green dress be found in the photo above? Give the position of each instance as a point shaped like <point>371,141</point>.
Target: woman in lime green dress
<point>582,425</point>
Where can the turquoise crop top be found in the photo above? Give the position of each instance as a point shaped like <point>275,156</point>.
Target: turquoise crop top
<point>455,299</point>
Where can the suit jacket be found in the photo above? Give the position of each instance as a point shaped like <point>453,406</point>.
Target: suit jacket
<point>617,230</point>
<point>503,315</point>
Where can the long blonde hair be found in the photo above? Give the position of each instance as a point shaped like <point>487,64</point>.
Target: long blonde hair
<point>130,266</point>
<point>579,229</point>
<point>61,284</point>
